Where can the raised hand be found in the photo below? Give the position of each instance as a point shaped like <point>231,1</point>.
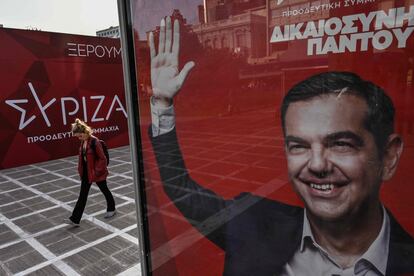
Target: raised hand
<point>165,77</point>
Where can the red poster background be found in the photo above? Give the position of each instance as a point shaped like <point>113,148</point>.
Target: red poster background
<point>228,111</point>
<point>61,68</point>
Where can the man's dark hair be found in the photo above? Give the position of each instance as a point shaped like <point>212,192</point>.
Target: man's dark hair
<point>380,117</point>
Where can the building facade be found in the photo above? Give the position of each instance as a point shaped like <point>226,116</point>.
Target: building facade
<point>113,32</point>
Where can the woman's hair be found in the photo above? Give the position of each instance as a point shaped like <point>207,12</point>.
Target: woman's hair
<point>80,126</point>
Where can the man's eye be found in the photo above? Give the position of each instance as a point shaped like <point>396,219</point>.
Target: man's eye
<point>297,148</point>
<point>342,146</point>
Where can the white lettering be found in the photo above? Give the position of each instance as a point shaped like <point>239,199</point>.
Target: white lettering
<point>73,112</point>
<point>72,49</point>
<point>403,36</point>
<point>102,51</point>
<point>120,108</point>
<point>94,119</point>
<point>336,22</point>
<point>90,50</point>
<point>382,40</point>
<point>81,50</point>
<point>356,32</point>
<point>42,108</point>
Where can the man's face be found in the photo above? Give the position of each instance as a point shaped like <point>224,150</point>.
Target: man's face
<point>333,161</point>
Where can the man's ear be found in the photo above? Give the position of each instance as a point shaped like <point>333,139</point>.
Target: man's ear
<point>392,154</point>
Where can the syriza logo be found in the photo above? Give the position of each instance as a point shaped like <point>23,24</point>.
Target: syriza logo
<point>77,107</point>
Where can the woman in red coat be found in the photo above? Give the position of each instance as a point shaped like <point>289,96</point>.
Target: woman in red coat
<point>92,167</point>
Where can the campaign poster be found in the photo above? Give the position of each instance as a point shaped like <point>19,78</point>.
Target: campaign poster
<point>230,163</point>
<point>47,80</point>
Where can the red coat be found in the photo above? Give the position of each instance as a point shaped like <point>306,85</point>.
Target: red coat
<point>96,161</point>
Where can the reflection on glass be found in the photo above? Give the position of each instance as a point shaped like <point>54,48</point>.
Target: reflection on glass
<point>220,164</point>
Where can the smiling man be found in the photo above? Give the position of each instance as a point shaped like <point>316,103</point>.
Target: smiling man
<point>340,146</point>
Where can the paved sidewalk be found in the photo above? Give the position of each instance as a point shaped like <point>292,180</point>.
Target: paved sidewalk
<point>35,199</point>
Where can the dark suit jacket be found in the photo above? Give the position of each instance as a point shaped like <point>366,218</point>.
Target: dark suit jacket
<point>258,235</point>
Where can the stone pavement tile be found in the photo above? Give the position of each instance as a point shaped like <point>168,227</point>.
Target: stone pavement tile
<point>125,190</point>
<point>2,179</point>
<point>54,167</point>
<point>28,220</point>
<point>10,207</point>
<point>55,213</point>
<point>37,203</point>
<point>133,232</point>
<point>34,201</point>
<point>17,212</point>
<point>120,169</point>
<point>125,158</point>
<point>3,270</point>
<point>93,234</point>
<point>20,194</point>
<point>7,186</point>
<point>114,245</point>
<point>59,235</point>
<point>124,181</point>
<point>70,172</point>
<point>121,222</point>
<point>115,185</point>
<point>115,162</point>
<point>68,243</point>
<point>6,235</point>
<point>59,219</point>
<point>127,257</point>
<point>11,170</point>
<point>70,198</point>
<point>5,198</point>
<point>127,209</point>
<point>61,194</point>
<point>54,237</point>
<point>118,200</point>
<point>66,183</point>
<point>94,193</point>
<point>44,205</point>
<point>38,226</point>
<point>114,179</point>
<point>76,261</point>
<point>94,207</point>
<point>24,262</point>
<point>130,195</point>
<point>14,251</point>
<point>47,270</point>
<point>105,267</point>
<point>32,180</point>
<point>46,187</point>
<point>18,173</point>
<point>92,255</point>
<point>129,174</point>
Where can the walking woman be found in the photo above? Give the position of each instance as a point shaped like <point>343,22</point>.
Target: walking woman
<point>92,167</point>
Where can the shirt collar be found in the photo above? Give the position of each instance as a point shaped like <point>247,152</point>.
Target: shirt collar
<point>375,253</point>
<point>379,248</point>
<point>307,232</point>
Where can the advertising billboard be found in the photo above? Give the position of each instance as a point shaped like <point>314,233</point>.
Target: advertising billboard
<point>49,79</point>
<point>277,136</point>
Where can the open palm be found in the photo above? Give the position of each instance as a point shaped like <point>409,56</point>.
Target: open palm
<point>166,79</point>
